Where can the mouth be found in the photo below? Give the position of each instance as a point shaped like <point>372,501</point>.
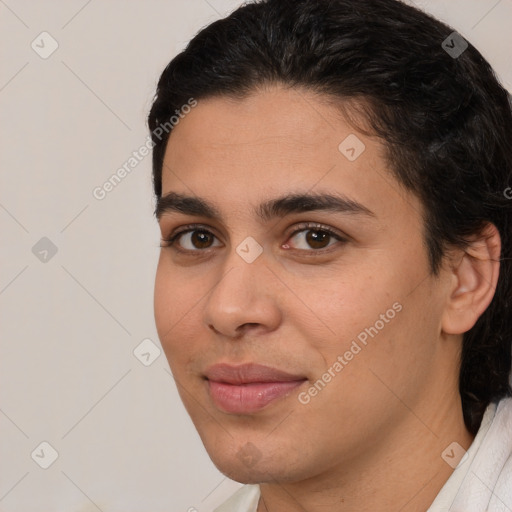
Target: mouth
<point>248,388</point>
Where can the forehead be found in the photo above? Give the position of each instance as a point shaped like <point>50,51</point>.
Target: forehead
<point>282,123</point>
<point>274,141</point>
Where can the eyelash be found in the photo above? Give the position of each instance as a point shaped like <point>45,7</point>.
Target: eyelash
<point>307,226</point>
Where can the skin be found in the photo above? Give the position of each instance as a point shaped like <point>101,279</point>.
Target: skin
<point>372,438</point>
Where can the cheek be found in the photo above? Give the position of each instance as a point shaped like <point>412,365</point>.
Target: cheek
<point>373,312</point>
<point>173,308</point>
<point>345,302</point>
<point>164,302</point>
<point>177,292</point>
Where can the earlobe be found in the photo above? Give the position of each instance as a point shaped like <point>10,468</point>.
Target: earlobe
<point>475,276</point>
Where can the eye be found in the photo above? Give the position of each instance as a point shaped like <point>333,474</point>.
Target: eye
<point>315,236</point>
<point>194,239</point>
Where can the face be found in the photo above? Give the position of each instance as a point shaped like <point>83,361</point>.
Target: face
<point>292,326</point>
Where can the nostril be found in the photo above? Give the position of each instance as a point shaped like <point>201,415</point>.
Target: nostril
<point>213,329</point>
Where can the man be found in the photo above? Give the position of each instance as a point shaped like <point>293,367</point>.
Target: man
<point>333,290</point>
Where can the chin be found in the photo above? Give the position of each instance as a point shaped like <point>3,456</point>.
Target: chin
<point>249,466</point>
<point>245,475</point>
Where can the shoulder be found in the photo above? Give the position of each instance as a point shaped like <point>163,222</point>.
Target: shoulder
<point>483,480</point>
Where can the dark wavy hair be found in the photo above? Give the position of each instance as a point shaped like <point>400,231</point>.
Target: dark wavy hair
<point>445,120</point>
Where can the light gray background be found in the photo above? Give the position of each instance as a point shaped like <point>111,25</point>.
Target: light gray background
<point>69,325</point>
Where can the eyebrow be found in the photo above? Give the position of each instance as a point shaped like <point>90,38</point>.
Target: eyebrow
<point>266,211</point>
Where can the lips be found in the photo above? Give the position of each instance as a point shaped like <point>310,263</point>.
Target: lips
<point>248,388</point>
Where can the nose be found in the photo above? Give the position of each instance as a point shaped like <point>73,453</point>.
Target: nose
<point>244,299</point>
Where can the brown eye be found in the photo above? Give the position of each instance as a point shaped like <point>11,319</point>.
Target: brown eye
<point>201,239</point>
<point>317,238</point>
<point>314,238</point>
<point>192,240</point>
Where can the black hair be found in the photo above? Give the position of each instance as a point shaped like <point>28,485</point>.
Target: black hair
<point>426,92</point>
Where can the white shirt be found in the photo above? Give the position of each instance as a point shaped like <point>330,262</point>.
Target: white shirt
<point>482,482</point>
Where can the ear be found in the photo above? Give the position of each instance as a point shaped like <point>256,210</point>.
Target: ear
<point>474,276</point>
